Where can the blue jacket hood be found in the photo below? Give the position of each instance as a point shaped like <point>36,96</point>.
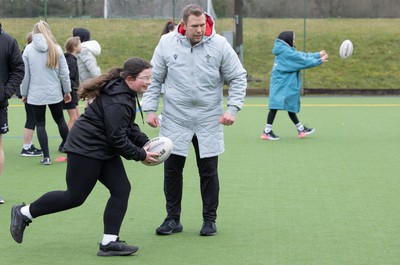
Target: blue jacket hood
<point>280,47</point>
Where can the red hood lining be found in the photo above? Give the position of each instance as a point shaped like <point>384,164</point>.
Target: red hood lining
<point>209,27</point>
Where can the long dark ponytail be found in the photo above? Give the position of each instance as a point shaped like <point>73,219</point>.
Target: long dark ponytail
<point>91,88</point>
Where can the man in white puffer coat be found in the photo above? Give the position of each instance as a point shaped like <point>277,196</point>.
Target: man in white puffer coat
<point>193,62</point>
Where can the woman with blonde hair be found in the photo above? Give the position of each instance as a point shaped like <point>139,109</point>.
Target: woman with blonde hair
<point>46,83</point>
<point>28,148</point>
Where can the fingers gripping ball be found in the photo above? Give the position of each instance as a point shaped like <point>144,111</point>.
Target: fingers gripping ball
<point>161,145</point>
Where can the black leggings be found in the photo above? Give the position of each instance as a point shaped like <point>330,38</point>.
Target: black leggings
<point>39,112</point>
<point>272,114</point>
<point>82,175</point>
<point>30,120</point>
<point>209,183</point>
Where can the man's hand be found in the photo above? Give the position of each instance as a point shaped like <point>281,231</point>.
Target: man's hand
<point>227,119</point>
<point>152,120</point>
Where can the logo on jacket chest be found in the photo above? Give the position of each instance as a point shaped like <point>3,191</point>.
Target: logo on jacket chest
<point>207,57</point>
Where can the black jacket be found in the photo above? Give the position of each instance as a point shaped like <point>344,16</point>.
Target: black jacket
<point>108,128</point>
<point>73,70</point>
<point>11,67</point>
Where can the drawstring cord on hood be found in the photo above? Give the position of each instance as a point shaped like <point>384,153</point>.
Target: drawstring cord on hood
<point>139,107</point>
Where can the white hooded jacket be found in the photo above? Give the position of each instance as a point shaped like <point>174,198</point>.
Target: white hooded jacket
<point>87,63</point>
<point>193,79</point>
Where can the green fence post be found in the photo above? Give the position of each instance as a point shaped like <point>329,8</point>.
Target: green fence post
<point>45,10</point>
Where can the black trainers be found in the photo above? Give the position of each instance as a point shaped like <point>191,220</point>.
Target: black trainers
<point>209,229</point>
<point>169,226</point>
<point>306,131</point>
<point>18,223</point>
<point>45,161</point>
<point>116,248</point>
<point>1,200</point>
<point>269,136</point>
<point>32,151</point>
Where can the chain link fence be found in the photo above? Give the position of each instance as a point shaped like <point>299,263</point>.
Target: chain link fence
<point>133,27</point>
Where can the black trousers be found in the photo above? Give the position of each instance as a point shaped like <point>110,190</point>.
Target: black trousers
<point>209,183</point>
<point>272,115</point>
<point>82,175</point>
<point>39,112</point>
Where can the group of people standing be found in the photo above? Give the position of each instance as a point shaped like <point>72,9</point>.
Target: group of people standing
<point>190,65</point>
<point>52,79</point>
<point>45,76</point>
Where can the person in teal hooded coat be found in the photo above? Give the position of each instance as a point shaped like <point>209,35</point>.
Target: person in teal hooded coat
<point>285,84</point>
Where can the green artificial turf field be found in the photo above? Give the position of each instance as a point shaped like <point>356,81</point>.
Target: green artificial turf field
<point>329,199</point>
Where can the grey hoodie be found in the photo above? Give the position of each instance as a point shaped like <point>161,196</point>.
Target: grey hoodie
<point>41,84</point>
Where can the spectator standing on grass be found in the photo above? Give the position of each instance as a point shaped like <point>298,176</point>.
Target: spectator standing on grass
<point>193,62</point>
<point>87,62</point>
<point>105,132</point>
<point>72,49</point>
<point>46,83</point>
<point>28,149</point>
<point>285,84</point>
<point>11,75</point>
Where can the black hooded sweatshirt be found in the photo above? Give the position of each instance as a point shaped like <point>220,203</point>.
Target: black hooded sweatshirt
<point>108,128</point>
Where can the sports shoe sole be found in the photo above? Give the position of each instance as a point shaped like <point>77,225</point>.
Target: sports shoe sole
<point>264,137</point>
<point>30,155</point>
<point>208,234</point>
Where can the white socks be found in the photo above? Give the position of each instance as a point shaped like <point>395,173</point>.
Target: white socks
<point>299,127</point>
<point>26,146</point>
<point>108,238</point>
<point>25,211</point>
<point>268,128</point>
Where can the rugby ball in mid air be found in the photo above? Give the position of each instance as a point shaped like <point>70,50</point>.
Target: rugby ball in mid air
<point>346,49</point>
<point>161,145</point>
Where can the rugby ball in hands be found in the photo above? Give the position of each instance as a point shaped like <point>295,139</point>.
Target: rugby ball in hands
<point>346,49</point>
<point>161,145</point>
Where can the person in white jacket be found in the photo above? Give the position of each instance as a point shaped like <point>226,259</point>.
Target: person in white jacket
<point>192,63</point>
<point>46,83</point>
<point>87,62</point>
